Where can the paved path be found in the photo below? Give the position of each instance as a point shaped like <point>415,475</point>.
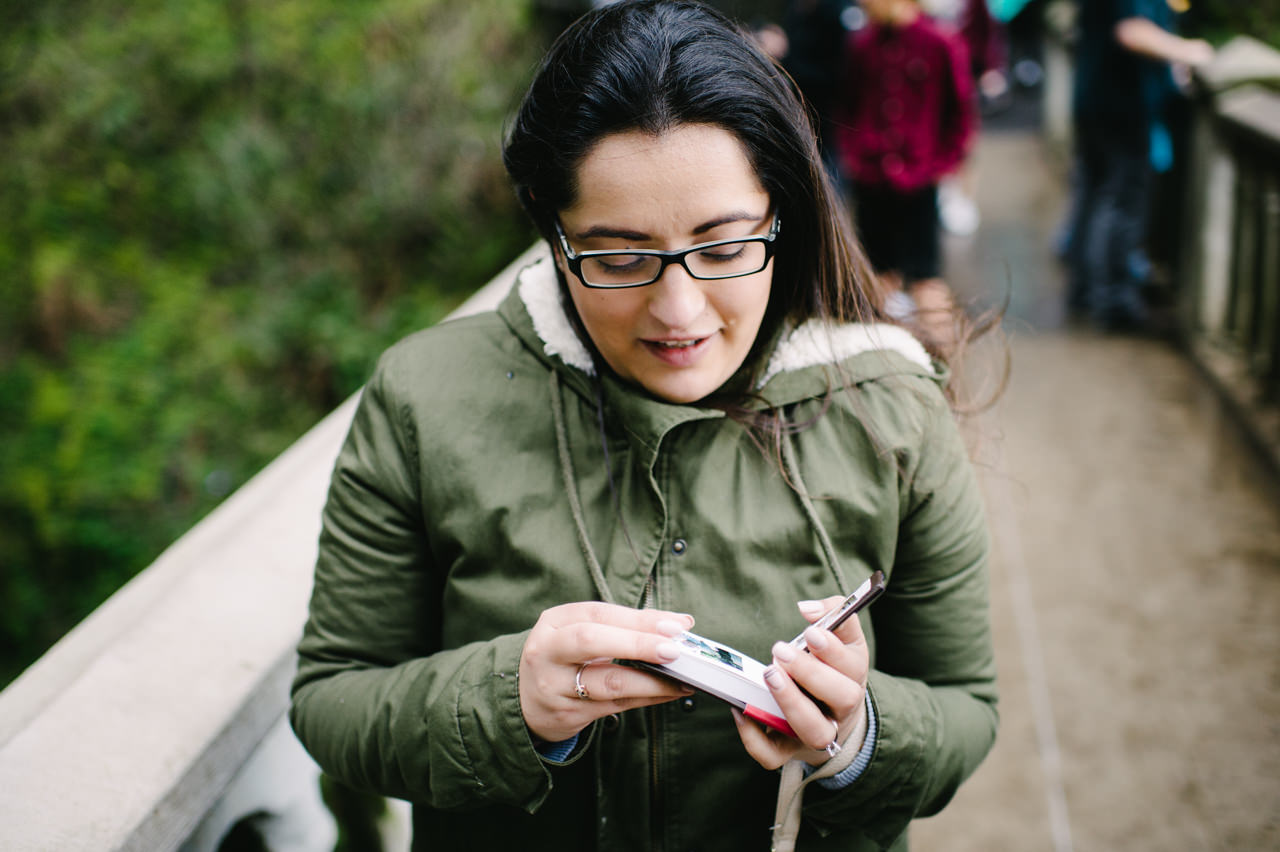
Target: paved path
<point>1136,578</point>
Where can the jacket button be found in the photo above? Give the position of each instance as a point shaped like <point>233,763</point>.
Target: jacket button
<point>679,546</point>
<point>611,722</point>
<point>687,704</point>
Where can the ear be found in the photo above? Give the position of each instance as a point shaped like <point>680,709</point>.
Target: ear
<point>558,256</point>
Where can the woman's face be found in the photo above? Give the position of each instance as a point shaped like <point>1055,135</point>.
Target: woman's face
<point>680,338</point>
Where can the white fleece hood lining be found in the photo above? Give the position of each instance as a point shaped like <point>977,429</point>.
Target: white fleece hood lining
<point>808,345</point>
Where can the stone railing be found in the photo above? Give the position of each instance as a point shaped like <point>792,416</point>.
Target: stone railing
<point>1229,271</point>
<point>158,722</point>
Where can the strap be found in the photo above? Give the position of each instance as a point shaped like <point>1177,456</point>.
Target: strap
<point>802,492</point>
<point>786,818</point>
<point>571,489</point>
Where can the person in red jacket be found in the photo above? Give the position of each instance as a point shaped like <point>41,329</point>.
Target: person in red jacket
<point>906,119</point>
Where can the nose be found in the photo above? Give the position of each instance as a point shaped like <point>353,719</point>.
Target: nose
<point>676,299</point>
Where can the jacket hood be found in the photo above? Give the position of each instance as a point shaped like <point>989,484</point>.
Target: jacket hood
<point>795,367</point>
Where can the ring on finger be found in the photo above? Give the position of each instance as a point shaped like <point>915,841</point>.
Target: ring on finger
<point>578,688</point>
<point>833,748</point>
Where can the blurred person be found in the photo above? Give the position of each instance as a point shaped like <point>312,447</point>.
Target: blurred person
<point>693,405</point>
<point>772,40</point>
<point>1126,57</point>
<point>985,40</point>
<point>816,33</point>
<point>907,115</point>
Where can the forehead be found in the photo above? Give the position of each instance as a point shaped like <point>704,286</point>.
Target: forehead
<point>684,171</point>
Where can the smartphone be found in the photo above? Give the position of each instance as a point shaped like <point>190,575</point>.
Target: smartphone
<point>833,618</point>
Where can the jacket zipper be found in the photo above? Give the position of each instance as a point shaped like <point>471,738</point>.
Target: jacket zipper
<point>656,801</point>
<point>655,789</point>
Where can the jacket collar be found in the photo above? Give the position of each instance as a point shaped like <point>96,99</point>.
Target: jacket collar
<point>863,350</point>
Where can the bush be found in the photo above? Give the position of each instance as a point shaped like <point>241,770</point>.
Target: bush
<point>217,214</point>
<point>1220,21</point>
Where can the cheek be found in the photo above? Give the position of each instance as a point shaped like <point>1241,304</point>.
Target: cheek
<point>606,314</point>
<point>745,308</point>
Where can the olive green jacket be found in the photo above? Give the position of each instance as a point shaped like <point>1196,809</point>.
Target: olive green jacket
<point>449,528</point>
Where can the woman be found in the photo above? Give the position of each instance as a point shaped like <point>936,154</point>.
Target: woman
<point>690,410</point>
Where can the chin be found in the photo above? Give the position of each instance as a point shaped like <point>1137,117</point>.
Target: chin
<point>682,392</point>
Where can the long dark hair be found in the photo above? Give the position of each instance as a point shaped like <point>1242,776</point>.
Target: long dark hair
<point>651,65</point>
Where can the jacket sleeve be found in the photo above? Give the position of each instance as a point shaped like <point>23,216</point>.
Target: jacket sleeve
<point>376,701</point>
<point>933,679</point>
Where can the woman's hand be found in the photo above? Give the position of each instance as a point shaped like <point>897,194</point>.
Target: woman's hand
<point>576,643</point>
<point>834,673</point>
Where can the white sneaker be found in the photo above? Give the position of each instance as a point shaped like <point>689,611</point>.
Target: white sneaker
<point>957,212</point>
<point>898,305</point>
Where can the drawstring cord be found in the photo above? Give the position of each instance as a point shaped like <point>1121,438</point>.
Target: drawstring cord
<point>571,489</point>
<point>802,492</point>
<point>786,823</point>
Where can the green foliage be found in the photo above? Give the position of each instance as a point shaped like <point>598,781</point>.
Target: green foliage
<point>1221,20</point>
<point>217,213</point>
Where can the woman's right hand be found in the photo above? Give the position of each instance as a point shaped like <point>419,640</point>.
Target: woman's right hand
<point>588,636</point>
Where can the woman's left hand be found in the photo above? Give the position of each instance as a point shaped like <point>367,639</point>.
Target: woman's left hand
<point>834,673</point>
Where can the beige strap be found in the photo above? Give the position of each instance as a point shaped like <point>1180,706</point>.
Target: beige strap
<point>786,821</point>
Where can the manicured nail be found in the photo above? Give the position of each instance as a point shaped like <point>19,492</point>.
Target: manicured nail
<point>669,651</point>
<point>667,627</point>
<point>816,638</point>
<point>773,677</point>
<point>810,607</point>
<point>784,652</point>
<point>688,619</point>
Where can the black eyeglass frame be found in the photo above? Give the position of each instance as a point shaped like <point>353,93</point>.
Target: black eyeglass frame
<point>667,258</point>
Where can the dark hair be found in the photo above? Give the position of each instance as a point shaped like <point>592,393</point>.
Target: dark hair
<point>652,65</point>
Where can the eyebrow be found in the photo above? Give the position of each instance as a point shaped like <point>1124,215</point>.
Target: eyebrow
<point>639,236</point>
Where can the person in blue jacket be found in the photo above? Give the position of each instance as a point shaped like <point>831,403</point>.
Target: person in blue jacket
<point>1125,58</point>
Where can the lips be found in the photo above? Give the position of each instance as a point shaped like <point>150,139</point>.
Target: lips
<point>678,353</point>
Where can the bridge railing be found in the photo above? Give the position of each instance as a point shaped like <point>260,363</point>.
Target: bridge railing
<point>158,722</point>
<point>1229,272</point>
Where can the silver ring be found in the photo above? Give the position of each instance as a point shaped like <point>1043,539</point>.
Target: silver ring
<point>833,748</point>
<point>577,683</point>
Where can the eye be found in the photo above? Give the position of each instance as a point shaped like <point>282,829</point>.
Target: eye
<point>620,262</point>
<point>723,254</point>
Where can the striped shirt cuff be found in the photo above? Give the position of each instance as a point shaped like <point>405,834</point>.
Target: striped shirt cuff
<point>851,772</point>
<point>557,752</point>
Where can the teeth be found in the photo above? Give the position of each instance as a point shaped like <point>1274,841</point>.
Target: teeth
<point>682,344</point>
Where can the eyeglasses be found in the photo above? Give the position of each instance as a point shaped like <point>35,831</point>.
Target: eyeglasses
<point>615,270</point>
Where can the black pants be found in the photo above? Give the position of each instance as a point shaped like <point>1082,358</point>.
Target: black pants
<point>899,230</point>
<point>1108,226</point>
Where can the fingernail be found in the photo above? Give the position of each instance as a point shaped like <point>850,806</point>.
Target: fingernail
<point>784,652</point>
<point>816,638</point>
<point>669,651</point>
<point>668,627</point>
<point>810,607</point>
<point>688,619</point>
<point>773,678</point>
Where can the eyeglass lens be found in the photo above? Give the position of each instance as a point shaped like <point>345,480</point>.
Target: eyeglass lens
<point>722,261</point>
